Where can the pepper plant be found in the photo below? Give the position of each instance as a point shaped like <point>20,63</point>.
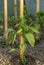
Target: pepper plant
<point>40,15</point>
<point>25,25</point>
<point>26,28</point>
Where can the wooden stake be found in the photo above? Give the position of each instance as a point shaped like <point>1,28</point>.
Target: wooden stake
<point>5,18</point>
<point>21,7</point>
<point>37,10</point>
<point>37,5</point>
<point>15,8</point>
<point>21,14</point>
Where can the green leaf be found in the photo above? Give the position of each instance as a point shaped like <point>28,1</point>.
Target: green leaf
<point>12,50</point>
<point>1,18</point>
<point>12,38</point>
<point>34,30</point>
<point>23,47</point>
<point>37,26</point>
<point>8,31</point>
<point>1,27</point>
<point>30,38</point>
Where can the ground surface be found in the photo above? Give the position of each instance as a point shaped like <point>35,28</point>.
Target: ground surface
<point>35,56</point>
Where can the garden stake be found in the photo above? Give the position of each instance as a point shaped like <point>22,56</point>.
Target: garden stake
<point>5,18</point>
<point>21,37</point>
<point>37,5</point>
<point>15,8</point>
<point>37,9</point>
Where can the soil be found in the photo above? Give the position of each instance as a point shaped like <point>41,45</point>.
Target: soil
<point>12,58</point>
